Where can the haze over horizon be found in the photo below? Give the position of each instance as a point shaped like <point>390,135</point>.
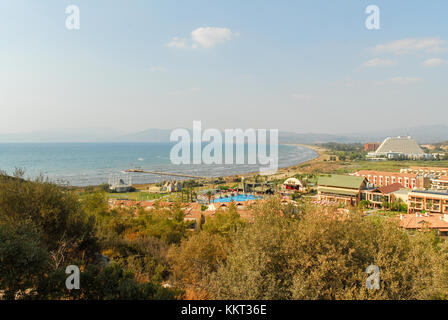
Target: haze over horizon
<point>300,67</point>
<point>423,134</point>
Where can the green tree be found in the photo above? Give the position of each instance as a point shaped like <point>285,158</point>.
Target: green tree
<point>23,259</point>
<point>324,255</point>
<point>55,212</point>
<point>224,222</point>
<point>196,258</point>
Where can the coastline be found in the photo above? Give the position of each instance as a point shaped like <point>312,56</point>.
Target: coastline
<point>295,169</point>
<point>281,173</point>
<point>230,175</point>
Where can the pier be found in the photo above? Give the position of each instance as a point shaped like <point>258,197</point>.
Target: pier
<point>160,173</point>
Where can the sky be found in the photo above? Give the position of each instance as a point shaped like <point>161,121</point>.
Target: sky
<point>302,66</point>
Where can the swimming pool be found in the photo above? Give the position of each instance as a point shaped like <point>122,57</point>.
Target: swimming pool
<point>238,198</point>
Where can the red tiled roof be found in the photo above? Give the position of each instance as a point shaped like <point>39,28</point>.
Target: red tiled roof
<point>419,221</point>
<point>390,188</point>
<point>384,173</point>
<point>429,168</point>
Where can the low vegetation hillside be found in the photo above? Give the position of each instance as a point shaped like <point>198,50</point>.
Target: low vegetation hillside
<point>287,252</point>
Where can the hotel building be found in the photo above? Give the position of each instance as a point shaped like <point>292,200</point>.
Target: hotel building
<point>378,196</point>
<point>440,183</point>
<point>399,147</point>
<point>382,178</point>
<point>428,201</point>
<point>340,189</point>
<point>371,146</point>
<point>426,171</point>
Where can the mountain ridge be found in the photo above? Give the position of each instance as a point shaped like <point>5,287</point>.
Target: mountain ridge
<point>423,134</point>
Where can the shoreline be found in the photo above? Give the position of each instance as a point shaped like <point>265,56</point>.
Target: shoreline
<point>286,171</point>
<point>283,172</point>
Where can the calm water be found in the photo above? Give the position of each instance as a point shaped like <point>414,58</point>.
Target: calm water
<point>82,164</point>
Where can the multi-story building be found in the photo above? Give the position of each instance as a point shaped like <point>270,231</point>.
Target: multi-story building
<point>440,183</point>
<point>426,171</point>
<point>380,195</point>
<point>340,189</point>
<point>428,201</point>
<point>383,178</point>
<point>371,146</point>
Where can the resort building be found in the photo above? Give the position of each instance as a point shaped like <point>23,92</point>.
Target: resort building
<point>340,189</point>
<point>402,194</point>
<point>172,186</point>
<point>440,183</point>
<point>371,146</point>
<point>428,201</point>
<point>418,222</point>
<point>384,178</point>
<point>399,147</point>
<point>427,171</point>
<point>378,196</point>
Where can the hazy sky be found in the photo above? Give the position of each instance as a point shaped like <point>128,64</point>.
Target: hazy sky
<point>303,66</point>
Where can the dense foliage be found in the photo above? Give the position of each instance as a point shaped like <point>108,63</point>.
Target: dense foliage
<point>44,228</point>
<point>287,252</point>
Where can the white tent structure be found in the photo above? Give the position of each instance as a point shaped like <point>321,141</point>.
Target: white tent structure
<point>293,184</point>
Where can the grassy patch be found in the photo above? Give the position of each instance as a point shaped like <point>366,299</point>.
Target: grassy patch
<point>387,165</point>
<point>139,196</point>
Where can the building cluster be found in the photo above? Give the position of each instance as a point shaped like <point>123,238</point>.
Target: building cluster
<point>423,190</point>
<point>194,212</point>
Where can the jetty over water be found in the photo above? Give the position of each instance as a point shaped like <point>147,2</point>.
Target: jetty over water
<point>160,173</point>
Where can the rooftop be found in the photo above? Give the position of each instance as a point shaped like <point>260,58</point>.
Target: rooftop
<point>438,193</point>
<point>384,173</point>
<point>390,188</point>
<point>427,168</point>
<point>402,192</point>
<point>342,181</point>
<point>418,221</point>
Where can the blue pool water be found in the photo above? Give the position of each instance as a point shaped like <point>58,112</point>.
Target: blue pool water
<point>238,198</point>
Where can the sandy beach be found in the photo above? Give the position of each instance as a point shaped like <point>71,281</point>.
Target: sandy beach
<point>317,163</point>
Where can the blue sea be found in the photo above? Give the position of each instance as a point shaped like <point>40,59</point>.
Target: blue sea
<point>82,164</point>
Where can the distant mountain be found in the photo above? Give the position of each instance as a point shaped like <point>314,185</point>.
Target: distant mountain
<point>151,135</point>
<point>311,138</point>
<point>66,135</point>
<point>163,135</point>
<point>423,134</point>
